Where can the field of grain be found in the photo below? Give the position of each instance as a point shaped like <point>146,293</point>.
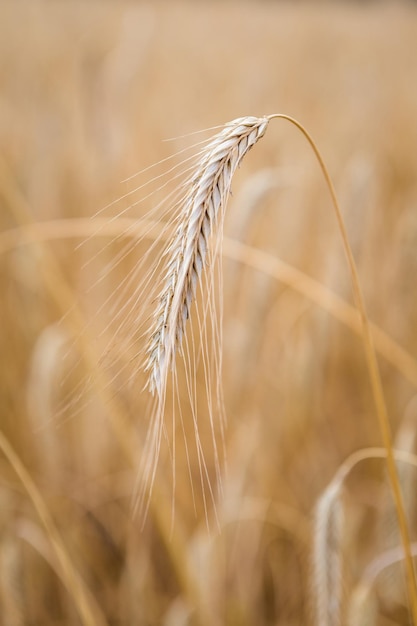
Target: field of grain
<point>89,92</point>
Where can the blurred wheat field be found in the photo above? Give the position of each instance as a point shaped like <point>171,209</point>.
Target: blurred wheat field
<point>88,94</point>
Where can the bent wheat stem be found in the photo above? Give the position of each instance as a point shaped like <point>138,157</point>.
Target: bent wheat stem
<point>374,374</point>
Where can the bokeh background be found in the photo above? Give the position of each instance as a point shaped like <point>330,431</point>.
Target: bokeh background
<point>89,91</point>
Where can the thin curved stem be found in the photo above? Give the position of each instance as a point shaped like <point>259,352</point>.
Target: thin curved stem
<point>89,611</point>
<point>374,373</point>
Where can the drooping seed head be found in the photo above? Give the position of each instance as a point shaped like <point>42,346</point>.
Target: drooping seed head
<point>207,195</point>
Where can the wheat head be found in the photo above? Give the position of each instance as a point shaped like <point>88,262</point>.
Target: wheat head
<point>327,576</point>
<point>186,254</point>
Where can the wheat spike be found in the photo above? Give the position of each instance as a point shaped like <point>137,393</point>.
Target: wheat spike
<point>209,188</point>
<point>327,557</point>
<point>186,256</point>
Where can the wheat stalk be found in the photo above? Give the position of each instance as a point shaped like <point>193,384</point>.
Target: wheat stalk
<point>186,254</point>
<point>207,195</point>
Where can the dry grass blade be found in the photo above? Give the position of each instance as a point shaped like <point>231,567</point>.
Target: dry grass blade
<point>257,259</point>
<point>89,611</point>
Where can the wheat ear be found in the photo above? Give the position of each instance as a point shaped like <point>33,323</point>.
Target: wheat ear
<point>327,557</point>
<point>201,212</point>
<point>209,188</point>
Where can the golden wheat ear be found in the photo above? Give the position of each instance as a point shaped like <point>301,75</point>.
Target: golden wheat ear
<point>209,188</point>
<point>190,253</point>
